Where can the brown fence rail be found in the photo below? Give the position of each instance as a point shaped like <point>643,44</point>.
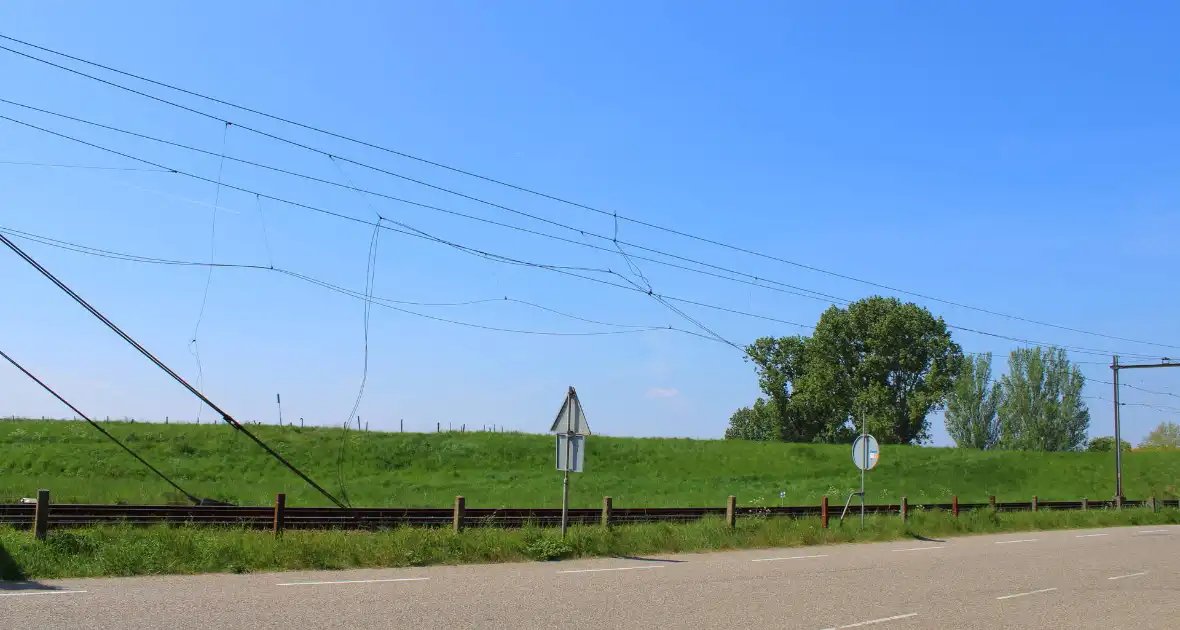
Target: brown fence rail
<point>279,517</point>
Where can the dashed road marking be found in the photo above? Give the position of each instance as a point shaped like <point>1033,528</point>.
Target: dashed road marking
<point>1129,575</point>
<point>1154,531</point>
<point>822,555</point>
<point>417,579</point>
<point>922,548</point>
<point>874,621</point>
<point>39,592</point>
<point>1043,590</point>
<point>1089,535</point>
<point>1013,542</point>
<point>653,566</point>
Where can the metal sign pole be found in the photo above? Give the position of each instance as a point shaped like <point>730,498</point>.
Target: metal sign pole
<point>565,484</point>
<point>865,441</point>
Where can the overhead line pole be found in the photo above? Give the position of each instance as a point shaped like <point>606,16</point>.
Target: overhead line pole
<point>135,344</point>
<point>1118,431</point>
<point>1118,444</point>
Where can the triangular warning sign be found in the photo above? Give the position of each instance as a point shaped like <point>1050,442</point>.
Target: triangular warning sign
<point>571,418</point>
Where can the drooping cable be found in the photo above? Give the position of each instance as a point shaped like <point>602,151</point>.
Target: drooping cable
<point>388,303</point>
<point>193,346</point>
<point>265,238</point>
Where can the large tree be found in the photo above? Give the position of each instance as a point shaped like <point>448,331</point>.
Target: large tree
<point>1042,408</point>
<point>972,403</point>
<point>1166,435</point>
<point>890,361</point>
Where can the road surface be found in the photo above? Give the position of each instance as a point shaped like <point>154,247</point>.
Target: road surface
<point>1108,578</point>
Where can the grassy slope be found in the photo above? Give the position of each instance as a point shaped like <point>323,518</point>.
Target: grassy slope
<point>493,470</point>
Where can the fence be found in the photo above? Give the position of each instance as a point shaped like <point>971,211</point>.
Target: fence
<point>42,515</point>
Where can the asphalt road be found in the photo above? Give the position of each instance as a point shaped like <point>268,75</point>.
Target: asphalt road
<point>1109,578</point>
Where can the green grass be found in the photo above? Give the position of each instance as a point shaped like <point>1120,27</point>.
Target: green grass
<point>513,470</point>
<point>125,550</point>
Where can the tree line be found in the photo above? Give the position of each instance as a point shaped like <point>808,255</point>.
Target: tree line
<point>891,364</point>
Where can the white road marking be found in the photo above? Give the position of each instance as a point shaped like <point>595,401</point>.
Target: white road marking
<point>1088,535</point>
<point>39,592</point>
<point>1044,590</point>
<point>1119,577</point>
<point>418,579</point>
<point>653,566</point>
<point>822,555</point>
<point>874,621</point>
<point>921,548</point>
<point>1012,542</point>
<point>1153,531</point>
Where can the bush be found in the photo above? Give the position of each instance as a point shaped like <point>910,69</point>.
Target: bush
<point>549,548</point>
<point>1105,444</point>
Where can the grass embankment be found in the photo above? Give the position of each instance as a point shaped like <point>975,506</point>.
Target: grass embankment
<point>125,551</point>
<point>78,465</point>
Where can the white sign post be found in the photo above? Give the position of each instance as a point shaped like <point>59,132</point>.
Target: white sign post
<point>865,454</point>
<point>571,429</point>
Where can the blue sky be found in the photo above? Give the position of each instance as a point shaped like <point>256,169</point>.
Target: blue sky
<point>1014,156</point>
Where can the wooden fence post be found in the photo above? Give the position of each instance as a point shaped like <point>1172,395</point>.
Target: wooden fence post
<point>730,511</point>
<point>992,501</point>
<point>280,513</point>
<point>1085,504</point>
<point>955,505</point>
<point>41,515</point>
<point>460,511</point>
<point>1034,503</point>
<point>1153,504</point>
<point>905,509</point>
<point>607,505</point>
<point>823,511</point>
<point>1118,503</point>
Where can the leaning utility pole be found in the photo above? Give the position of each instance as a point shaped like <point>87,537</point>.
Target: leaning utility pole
<point>1118,433</point>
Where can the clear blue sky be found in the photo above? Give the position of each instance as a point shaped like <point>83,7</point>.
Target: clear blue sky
<point>1016,156</point>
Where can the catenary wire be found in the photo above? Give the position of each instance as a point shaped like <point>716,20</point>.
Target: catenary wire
<point>82,166</point>
<point>753,279</point>
<point>523,188</point>
<point>379,301</point>
<point>1078,349</point>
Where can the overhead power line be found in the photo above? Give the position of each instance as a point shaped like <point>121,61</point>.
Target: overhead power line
<point>517,187</point>
<point>500,258</point>
<point>101,430</point>
<point>752,279</point>
<point>385,302</point>
<point>135,344</point>
<point>1130,386</point>
<point>1163,408</point>
<point>82,166</point>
